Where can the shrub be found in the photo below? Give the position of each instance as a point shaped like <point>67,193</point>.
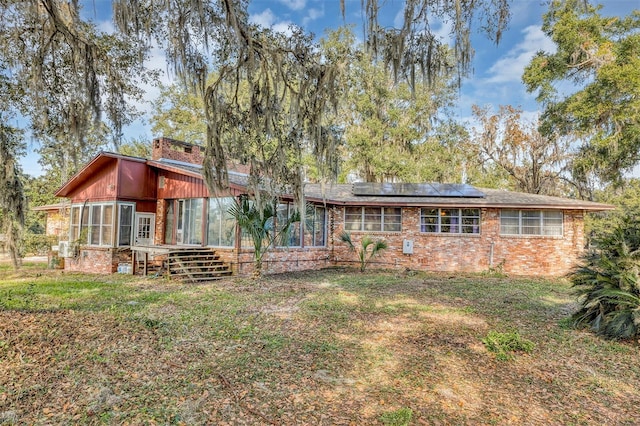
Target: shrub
<point>364,255</point>
<point>39,244</point>
<point>607,284</point>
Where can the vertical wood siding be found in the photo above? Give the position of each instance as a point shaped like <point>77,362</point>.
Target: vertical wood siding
<point>181,186</point>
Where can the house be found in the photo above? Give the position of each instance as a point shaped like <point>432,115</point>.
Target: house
<point>124,209</point>
<point>56,219</point>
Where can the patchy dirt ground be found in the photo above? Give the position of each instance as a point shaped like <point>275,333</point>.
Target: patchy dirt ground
<point>333,347</point>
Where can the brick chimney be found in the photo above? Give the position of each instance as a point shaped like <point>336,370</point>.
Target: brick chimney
<point>172,149</point>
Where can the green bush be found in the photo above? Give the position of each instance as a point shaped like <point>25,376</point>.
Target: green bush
<point>505,344</point>
<point>364,255</point>
<point>38,244</point>
<point>607,284</point>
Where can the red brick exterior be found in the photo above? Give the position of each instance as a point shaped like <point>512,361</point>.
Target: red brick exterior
<point>99,260</point>
<point>171,149</point>
<point>515,255</point>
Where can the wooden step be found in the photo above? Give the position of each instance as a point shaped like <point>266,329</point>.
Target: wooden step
<point>196,264</point>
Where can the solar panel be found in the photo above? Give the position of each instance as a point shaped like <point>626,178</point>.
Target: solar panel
<point>455,190</point>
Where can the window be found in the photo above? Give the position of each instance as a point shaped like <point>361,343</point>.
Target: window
<point>373,219</point>
<point>450,221</point>
<point>285,213</point>
<point>125,224</point>
<point>531,222</point>
<point>95,224</point>
<point>315,226</point>
<point>221,224</point>
<point>74,227</point>
<point>190,221</point>
<point>100,224</point>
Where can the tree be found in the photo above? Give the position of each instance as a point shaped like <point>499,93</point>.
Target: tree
<point>70,73</point>
<point>179,114</point>
<point>13,204</point>
<point>263,226</point>
<point>533,162</point>
<point>292,87</point>
<point>608,283</point>
<point>625,195</point>
<point>136,148</point>
<point>388,124</point>
<point>600,57</point>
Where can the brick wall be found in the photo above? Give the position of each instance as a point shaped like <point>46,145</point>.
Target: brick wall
<point>100,260</point>
<point>172,149</point>
<point>516,255</point>
<point>161,209</point>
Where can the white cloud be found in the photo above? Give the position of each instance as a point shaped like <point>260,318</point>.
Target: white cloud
<point>283,27</point>
<point>268,19</point>
<point>510,67</point>
<point>294,4</point>
<point>440,29</point>
<point>312,15</point>
<point>265,19</point>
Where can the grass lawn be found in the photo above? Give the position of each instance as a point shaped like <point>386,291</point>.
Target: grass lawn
<point>329,347</point>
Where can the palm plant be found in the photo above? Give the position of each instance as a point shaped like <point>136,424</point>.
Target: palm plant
<point>364,255</point>
<point>608,283</point>
<point>261,226</point>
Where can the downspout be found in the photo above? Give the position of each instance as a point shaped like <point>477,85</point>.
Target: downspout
<point>84,205</point>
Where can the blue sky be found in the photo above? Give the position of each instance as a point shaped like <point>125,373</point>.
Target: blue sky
<point>497,68</point>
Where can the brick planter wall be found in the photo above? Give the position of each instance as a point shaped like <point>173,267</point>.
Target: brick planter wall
<point>99,260</point>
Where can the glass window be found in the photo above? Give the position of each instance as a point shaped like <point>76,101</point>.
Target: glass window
<point>95,224</point>
<point>510,222</point>
<point>285,212</point>
<point>220,223</point>
<point>450,221</point>
<point>373,219</point>
<point>531,222</point>
<point>125,224</point>
<point>192,220</point>
<point>74,226</point>
<point>315,227</point>
<point>95,216</point>
<point>552,223</point>
<point>392,217</point>
<point>353,219</point>
<point>106,231</point>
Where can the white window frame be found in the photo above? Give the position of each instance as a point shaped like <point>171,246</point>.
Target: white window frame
<point>75,230</point>
<point>311,225</point>
<point>133,219</point>
<point>545,230</point>
<point>460,218</point>
<point>220,220</point>
<point>383,214</point>
<point>188,227</point>
<point>290,210</point>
